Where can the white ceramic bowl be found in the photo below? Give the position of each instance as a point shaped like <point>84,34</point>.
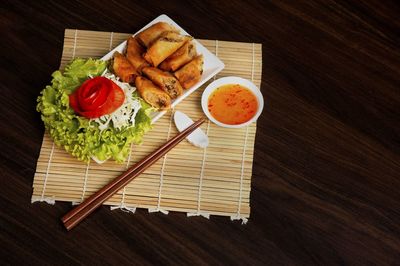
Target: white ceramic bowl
<point>231,80</point>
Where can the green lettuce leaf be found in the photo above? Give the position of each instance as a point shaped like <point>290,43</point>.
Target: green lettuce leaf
<point>78,135</point>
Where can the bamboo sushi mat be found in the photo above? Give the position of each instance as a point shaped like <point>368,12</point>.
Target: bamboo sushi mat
<point>211,181</point>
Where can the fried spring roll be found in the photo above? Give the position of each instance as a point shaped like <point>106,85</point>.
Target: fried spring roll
<point>165,80</point>
<point>166,45</point>
<point>184,54</point>
<point>152,94</point>
<point>190,74</point>
<point>134,53</point>
<point>147,36</point>
<point>123,69</point>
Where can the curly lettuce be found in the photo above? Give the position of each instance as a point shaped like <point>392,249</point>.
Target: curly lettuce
<point>78,135</point>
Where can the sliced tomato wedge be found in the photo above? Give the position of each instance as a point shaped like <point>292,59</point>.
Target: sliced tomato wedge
<point>93,93</point>
<point>97,97</point>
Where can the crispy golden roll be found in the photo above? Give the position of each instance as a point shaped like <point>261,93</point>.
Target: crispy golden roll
<point>153,95</point>
<point>134,53</point>
<point>123,69</point>
<point>150,34</point>
<point>166,45</point>
<point>184,54</point>
<point>165,80</point>
<point>190,74</point>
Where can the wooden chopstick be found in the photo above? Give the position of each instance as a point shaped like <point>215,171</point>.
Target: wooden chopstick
<point>76,215</point>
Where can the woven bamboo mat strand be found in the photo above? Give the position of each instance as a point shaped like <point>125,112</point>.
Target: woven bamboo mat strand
<point>211,181</point>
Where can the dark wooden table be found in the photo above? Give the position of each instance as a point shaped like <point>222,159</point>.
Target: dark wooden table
<point>326,180</point>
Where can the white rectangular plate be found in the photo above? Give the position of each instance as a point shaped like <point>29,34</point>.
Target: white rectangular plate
<point>212,64</point>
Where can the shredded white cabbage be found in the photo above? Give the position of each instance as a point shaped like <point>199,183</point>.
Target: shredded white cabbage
<point>126,113</point>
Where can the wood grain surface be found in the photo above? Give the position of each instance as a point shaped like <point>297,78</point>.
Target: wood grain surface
<point>326,176</point>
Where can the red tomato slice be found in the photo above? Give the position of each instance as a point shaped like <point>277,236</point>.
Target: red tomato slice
<point>93,93</point>
<point>73,102</point>
<point>97,97</point>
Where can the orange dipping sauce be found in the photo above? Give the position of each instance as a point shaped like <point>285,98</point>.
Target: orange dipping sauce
<point>232,104</point>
